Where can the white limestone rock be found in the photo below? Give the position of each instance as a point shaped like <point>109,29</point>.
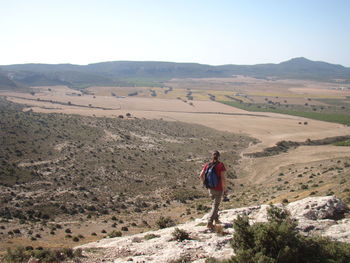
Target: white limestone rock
<point>313,208</point>
<point>312,213</point>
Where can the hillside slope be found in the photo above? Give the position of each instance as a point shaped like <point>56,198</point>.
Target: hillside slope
<point>87,165</point>
<point>6,83</point>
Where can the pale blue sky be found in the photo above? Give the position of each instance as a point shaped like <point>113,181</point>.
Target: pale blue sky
<point>210,32</point>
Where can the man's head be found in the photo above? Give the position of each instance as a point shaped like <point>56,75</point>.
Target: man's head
<point>215,155</point>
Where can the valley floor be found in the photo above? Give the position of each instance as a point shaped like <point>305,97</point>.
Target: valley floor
<point>268,128</point>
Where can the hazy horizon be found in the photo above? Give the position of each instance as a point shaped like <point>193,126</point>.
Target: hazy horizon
<point>67,63</point>
<point>220,33</point>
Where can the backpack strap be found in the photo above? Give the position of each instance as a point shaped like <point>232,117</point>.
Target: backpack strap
<point>210,165</point>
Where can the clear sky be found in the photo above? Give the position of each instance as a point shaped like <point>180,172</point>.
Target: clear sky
<point>204,31</point>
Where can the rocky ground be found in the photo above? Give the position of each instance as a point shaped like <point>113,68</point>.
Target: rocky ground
<point>326,216</point>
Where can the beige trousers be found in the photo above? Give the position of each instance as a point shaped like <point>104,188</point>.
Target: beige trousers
<point>216,197</point>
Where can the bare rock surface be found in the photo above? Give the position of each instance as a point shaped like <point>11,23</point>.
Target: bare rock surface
<point>327,207</point>
<point>315,215</point>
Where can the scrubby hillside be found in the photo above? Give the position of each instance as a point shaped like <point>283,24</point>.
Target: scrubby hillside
<point>93,162</point>
<point>55,166</point>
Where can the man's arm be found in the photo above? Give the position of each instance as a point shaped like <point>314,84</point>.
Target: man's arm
<point>201,176</point>
<point>223,178</point>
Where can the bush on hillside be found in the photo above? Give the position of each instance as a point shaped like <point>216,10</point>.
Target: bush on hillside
<point>21,254</point>
<point>115,233</point>
<point>150,236</point>
<point>164,222</point>
<point>278,241</point>
<point>180,235</point>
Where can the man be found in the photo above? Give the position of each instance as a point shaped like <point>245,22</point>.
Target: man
<point>216,193</point>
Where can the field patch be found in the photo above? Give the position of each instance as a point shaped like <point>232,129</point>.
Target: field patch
<point>337,117</point>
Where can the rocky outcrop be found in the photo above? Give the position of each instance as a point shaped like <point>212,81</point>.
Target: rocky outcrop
<point>318,208</point>
<point>321,215</point>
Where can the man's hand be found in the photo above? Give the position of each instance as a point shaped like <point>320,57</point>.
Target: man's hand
<point>201,176</point>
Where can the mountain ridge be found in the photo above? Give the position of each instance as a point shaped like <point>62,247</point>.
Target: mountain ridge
<point>119,73</point>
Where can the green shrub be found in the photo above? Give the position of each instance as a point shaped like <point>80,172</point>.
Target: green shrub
<point>278,241</point>
<point>212,260</point>
<point>46,255</point>
<point>150,236</point>
<point>182,259</point>
<point>304,187</point>
<point>68,252</point>
<point>115,233</point>
<point>21,254</point>
<point>180,235</point>
<point>201,207</point>
<point>164,222</point>
<point>78,253</point>
<point>343,143</point>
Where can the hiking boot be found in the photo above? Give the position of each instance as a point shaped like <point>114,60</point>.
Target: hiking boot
<point>217,222</point>
<point>210,225</point>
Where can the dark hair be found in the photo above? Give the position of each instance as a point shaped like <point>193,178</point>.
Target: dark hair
<point>216,155</point>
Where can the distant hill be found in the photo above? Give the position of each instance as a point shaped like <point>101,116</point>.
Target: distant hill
<point>126,72</point>
<point>6,82</point>
<point>296,68</point>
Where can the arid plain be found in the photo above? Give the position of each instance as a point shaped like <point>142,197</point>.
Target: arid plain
<point>171,103</point>
<point>198,101</point>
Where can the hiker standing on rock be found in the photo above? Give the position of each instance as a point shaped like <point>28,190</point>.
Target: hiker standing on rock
<point>213,177</point>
